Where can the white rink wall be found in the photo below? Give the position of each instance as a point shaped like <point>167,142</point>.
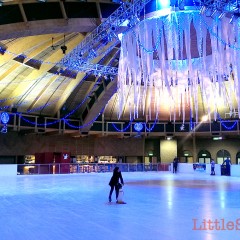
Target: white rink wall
<point>11,169</point>
<point>8,170</point>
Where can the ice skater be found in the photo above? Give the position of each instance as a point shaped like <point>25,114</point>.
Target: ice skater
<point>175,165</point>
<point>228,166</point>
<point>212,167</point>
<point>114,183</point>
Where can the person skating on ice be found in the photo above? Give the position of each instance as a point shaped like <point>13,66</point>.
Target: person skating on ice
<point>175,165</point>
<point>114,183</point>
<point>212,167</point>
<point>228,164</point>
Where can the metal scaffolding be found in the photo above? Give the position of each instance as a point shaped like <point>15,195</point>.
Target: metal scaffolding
<point>104,36</point>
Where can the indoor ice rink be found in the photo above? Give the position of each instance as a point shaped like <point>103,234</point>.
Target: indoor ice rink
<point>160,205</point>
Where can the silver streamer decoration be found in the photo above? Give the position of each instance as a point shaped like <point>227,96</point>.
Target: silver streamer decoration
<point>175,78</point>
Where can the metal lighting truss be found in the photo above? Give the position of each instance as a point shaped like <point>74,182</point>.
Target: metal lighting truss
<point>223,6</point>
<point>98,69</point>
<point>94,44</point>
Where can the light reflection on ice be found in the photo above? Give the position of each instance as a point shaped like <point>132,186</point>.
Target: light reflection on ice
<point>159,206</point>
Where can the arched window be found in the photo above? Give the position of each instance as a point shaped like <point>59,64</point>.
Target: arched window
<point>222,155</point>
<point>238,158</point>
<point>186,156</point>
<point>204,156</point>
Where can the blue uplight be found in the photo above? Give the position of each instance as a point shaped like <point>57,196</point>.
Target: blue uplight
<point>162,4</point>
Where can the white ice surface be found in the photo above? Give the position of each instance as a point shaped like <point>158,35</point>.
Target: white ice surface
<point>159,205</point>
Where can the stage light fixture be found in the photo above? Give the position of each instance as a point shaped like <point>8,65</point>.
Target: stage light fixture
<point>221,15</point>
<point>203,10</point>
<point>64,49</point>
<point>233,18</point>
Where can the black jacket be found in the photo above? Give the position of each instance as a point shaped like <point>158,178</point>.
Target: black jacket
<point>115,179</point>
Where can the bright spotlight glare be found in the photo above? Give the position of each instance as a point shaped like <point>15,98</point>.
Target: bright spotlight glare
<point>161,4</point>
<point>204,118</point>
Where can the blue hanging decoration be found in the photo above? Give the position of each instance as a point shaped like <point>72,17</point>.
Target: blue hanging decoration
<point>152,127</point>
<point>191,124</point>
<point>4,120</point>
<point>122,130</point>
<point>223,123</point>
<point>138,126</point>
<point>182,127</point>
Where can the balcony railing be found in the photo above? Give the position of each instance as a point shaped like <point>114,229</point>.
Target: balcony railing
<point>29,124</point>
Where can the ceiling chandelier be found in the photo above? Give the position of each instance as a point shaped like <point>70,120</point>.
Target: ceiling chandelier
<point>168,61</point>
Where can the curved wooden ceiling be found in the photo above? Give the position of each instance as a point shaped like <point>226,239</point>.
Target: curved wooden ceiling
<point>31,35</point>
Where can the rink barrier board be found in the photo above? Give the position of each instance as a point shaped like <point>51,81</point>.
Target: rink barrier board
<point>62,168</point>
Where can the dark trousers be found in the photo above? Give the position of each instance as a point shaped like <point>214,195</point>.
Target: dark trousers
<point>116,191</point>
<point>174,169</point>
<point>212,170</point>
<point>228,170</point>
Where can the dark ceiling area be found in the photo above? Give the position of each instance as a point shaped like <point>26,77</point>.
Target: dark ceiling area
<point>13,12</point>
